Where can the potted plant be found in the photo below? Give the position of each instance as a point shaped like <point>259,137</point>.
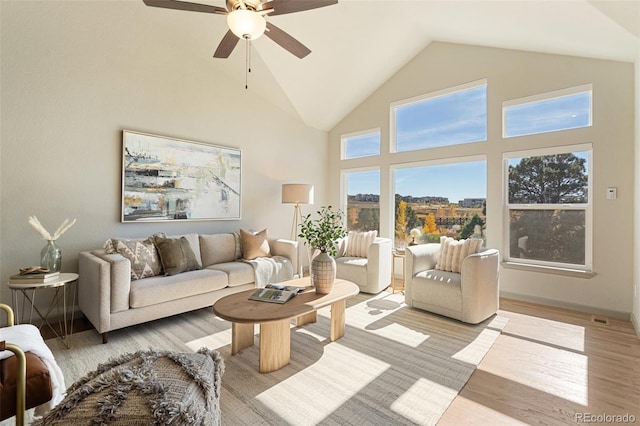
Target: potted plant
<point>321,234</point>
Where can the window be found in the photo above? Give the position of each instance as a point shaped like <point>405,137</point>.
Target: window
<point>453,116</point>
<point>364,144</point>
<point>363,200</point>
<point>548,112</point>
<point>548,207</point>
<point>437,200</point>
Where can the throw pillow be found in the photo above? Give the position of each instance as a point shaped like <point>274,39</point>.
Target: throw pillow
<point>176,255</point>
<point>254,245</point>
<point>453,252</point>
<point>142,255</point>
<point>358,243</point>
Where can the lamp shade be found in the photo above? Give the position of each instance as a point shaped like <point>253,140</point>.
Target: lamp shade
<point>297,193</point>
<point>245,23</point>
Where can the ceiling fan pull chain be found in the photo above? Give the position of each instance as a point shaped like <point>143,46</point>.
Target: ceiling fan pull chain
<point>247,62</point>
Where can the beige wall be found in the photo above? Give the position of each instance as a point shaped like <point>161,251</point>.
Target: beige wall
<point>74,74</point>
<point>515,74</point>
<point>635,316</point>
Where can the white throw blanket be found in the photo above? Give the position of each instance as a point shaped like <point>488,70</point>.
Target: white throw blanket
<point>271,270</point>
<point>28,338</point>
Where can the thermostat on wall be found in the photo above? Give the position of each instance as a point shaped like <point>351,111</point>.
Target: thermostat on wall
<point>612,193</point>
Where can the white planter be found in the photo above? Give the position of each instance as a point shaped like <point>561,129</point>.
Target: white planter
<point>323,273</point>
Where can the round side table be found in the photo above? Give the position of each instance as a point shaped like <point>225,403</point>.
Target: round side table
<point>29,290</point>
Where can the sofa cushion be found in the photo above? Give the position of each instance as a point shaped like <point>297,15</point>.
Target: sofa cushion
<point>358,243</point>
<point>176,255</point>
<point>254,244</point>
<point>217,248</point>
<point>142,254</point>
<point>154,290</point>
<point>239,273</point>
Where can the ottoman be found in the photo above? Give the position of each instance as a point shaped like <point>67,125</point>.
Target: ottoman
<point>148,387</point>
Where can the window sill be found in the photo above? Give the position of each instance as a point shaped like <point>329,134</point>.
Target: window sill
<point>549,270</point>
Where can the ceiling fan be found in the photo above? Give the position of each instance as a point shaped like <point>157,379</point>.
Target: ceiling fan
<point>246,20</point>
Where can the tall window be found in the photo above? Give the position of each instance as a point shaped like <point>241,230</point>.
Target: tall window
<point>449,117</point>
<point>440,200</point>
<point>363,200</point>
<point>548,112</point>
<point>549,207</point>
<point>361,144</point>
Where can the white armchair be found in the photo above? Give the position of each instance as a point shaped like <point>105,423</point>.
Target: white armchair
<point>470,296</point>
<point>372,273</point>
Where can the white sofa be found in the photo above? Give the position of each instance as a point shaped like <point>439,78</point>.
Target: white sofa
<point>371,273</point>
<point>470,296</point>
<point>111,300</point>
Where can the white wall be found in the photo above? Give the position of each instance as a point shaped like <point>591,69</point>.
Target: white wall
<point>75,74</point>
<point>515,74</point>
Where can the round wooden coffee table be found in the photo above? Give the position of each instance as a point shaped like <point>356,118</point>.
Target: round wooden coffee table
<point>274,319</point>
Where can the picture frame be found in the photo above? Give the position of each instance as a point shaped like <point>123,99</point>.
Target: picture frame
<point>170,179</point>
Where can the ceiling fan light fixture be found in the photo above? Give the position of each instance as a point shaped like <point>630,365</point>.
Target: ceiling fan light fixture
<point>246,24</point>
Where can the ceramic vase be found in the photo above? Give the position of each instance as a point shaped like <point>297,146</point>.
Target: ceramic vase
<point>51,256</point>
<point>323,273</point>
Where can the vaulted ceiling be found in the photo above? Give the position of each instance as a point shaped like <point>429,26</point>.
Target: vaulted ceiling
<point>358,44</point>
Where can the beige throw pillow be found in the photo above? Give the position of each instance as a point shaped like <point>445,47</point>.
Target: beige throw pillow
<point>254,245</point>
<point>176,255</point>
<point>453,252</point>
<point>358,243</point>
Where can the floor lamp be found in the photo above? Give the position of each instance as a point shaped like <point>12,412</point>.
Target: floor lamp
<point>297,193</point>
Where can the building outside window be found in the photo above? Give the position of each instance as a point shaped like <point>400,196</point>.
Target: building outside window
<point>362,189</point>
<point>434,200</point>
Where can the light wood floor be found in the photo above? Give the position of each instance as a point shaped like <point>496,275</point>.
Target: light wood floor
<point>548,367</point>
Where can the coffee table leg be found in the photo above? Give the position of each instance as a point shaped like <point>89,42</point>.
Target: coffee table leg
<point>307,318</point>
<point>337,320</point>
<point>275,345</point>
<point>241,336</point>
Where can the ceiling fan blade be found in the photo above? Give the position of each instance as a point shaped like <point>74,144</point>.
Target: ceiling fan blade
<point>184,5</point>
<point>280,7</point>
<point>286,41</point>
<point>226,46</point>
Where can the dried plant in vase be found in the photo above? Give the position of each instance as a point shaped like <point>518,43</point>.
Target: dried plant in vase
<point>51,255</point>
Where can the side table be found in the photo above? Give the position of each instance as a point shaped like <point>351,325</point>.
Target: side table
<point>29,294</point>
<point>397,255</point>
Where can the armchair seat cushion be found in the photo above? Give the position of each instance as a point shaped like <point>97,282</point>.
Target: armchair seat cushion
<point>38,382</point>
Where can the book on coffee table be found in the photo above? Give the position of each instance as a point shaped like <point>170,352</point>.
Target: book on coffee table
<point>33,278</point>
<point>275,293</point>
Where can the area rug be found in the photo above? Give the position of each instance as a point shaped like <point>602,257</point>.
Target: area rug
<point>395,365</point>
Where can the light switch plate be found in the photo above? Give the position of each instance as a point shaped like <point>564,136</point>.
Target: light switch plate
<point>612,193</point>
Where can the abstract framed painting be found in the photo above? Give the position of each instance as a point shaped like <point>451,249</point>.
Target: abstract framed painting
<point>169,179</point>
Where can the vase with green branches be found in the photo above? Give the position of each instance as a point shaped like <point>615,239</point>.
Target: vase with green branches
<point>322,234</point>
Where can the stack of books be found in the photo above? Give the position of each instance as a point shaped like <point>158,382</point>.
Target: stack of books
<point>34,278</point>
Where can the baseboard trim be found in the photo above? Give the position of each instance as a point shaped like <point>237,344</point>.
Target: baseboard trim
<point>627,316</point>
<point>636,324</point>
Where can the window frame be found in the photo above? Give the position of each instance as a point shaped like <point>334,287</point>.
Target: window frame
<point>547,96</point>
<point>393,147</point>
<point>344,140</point>
<point>586,207</point>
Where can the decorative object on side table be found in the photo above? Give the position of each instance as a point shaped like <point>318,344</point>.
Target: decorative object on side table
<point>51,255</point>
<point>321,234</point>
